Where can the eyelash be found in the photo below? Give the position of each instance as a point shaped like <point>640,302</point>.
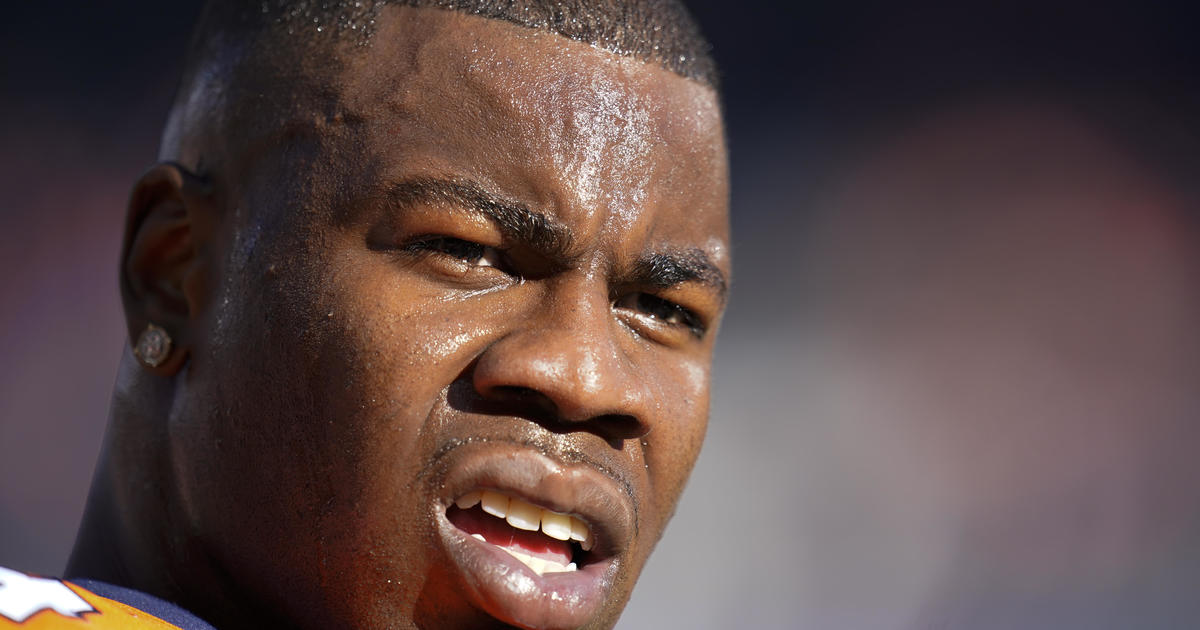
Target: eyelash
<point>471,253</point>
<point>666,311</point>
<point>465,251</point>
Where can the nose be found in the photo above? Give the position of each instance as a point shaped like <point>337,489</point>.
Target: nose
<point>564,361</point>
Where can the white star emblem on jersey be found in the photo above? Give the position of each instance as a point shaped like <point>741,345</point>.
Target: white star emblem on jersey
<point>21,596</point>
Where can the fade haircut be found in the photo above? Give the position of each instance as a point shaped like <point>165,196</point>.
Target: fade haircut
<point>656,31</point>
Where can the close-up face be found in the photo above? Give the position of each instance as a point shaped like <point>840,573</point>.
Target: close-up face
<point>455,368</point>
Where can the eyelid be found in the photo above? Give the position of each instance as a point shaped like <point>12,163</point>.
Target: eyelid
<point>694,322</point>
<point>487,256</point>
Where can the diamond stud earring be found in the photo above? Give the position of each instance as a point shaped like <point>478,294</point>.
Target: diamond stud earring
<point>153,346</point>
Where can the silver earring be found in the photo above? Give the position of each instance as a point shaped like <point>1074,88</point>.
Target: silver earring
<point>153,346</point>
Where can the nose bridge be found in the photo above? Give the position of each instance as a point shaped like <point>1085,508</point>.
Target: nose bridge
<point>574,329</point>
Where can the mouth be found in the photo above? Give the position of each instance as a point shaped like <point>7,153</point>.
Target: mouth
<point>536,542</point>
<point>543,540</point>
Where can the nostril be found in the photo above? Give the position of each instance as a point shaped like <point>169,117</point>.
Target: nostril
<point>619,426</point>
<point>524,397</point>
<point>612,427</point>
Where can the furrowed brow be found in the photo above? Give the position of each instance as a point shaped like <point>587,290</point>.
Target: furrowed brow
<point>667,269</point>
<point>516,220</point>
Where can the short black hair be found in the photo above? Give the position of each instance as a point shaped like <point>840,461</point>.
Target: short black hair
<point>657,31</point>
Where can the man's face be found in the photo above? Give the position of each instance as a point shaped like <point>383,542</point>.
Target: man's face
<point>476,264</point>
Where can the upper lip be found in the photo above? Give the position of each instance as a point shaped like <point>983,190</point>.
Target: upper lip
<point>589,492</point>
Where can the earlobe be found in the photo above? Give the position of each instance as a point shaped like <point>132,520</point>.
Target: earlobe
<point>162,271</point>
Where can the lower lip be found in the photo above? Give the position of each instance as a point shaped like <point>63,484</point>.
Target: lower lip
<point>510,591</point>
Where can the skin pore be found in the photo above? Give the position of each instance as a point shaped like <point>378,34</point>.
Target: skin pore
<point>469,256</point>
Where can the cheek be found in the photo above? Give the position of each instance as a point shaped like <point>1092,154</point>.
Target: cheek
<point>385,354</point>
<point>674,442</point>
<point>402,340</point>
<point>318,400</point>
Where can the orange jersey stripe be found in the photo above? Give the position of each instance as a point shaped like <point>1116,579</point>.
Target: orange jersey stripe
<point>33,603</point>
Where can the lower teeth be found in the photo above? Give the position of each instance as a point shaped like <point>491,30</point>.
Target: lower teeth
<point>540,566</point>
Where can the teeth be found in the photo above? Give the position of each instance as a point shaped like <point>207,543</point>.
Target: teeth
<point>581,534</point>
<point>468,500</point>
<point>540,566</point>
<point>556,525</point>
<point>579,531</point>
<point>494,503</point>
<point>524,515</point>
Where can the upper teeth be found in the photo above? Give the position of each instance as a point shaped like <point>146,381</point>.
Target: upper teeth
<point>524,515</point>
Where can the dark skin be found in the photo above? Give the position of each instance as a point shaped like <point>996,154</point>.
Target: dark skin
<point>472,256</point>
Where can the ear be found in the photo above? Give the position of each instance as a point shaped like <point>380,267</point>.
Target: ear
<point>163,273</point>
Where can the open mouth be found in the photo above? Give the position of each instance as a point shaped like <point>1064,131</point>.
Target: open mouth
<point>534,542</point>
<point>543,540</point>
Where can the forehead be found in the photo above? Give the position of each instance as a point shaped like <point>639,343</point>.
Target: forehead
<point>538,117</point>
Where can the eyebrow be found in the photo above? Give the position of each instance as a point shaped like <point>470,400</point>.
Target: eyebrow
<point>516,220</point>
<point>667,269</point>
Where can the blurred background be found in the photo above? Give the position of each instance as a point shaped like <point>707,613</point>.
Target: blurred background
<point>958,385</point>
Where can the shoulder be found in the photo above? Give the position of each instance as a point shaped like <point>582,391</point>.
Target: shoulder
<point>30,602</point>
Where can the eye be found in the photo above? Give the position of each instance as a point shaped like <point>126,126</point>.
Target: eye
<point>665,311</point>
<point>467,252</point>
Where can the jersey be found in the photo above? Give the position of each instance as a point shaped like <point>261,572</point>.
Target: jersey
<point>29,602</point>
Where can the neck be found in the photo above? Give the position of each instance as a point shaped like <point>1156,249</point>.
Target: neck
<point>135,532</point>
<point>122,538</point>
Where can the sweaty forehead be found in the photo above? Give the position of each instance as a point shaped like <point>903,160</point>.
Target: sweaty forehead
<point>484,56</point>
<point>613,131</point>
